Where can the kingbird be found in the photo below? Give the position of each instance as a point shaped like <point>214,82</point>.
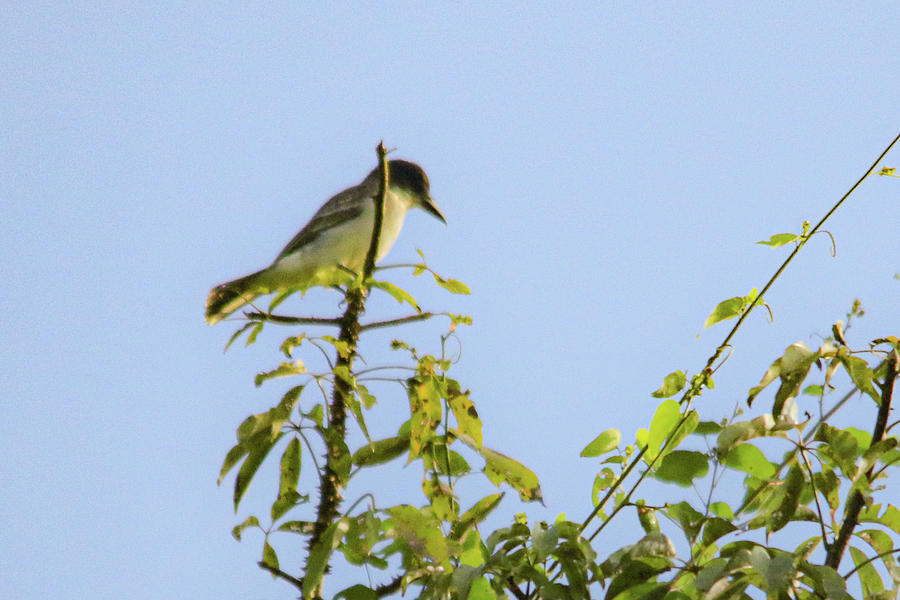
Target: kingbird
<point>335,241</point>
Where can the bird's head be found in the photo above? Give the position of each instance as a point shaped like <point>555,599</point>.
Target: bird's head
<point>411,178</point>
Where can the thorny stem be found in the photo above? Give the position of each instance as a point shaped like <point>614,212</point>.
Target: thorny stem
<point>331,479</point>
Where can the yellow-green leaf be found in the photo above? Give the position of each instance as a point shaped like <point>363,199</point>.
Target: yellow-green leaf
<point>452,285</point>
<point>400,295</point>
<point>603,443</point>
<point>672,384</point>
<point>726,309</point>
<point>285,369</point>
<point>780,239</point>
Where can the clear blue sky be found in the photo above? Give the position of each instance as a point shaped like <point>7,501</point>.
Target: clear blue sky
<point>605,171</point>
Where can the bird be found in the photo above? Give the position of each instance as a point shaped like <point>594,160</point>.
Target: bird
<point>334,243</point>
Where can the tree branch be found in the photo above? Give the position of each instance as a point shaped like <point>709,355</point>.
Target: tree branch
<point>400,321</point>
<point>281,575</point>
<point>857,500</point>
<point>285,320</point>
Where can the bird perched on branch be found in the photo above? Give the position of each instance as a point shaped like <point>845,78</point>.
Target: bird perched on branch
<point>334,242</point>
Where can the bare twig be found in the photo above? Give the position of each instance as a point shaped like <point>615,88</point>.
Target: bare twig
<point>285,320</point>
<point>401,321</point>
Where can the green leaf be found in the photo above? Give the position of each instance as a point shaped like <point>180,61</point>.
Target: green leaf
<point>794,484</point>
<point>342,347</point>
<point>473,553</point>
<point>544,539</point>
<point>603,443</point>
<point>234,455</point>
<point>421,531</point>
<point>672,384</point>
<point>707,428</point>
<point>382,451</point>
<point>269,557</point>
<point>426,410</point>
<point>285,369</point>
<point>726,309</point>
<point>780,239</point>
<point>357,592</point>
<point>687,518</point>
<point>664,421</point>
<point>736,433</point>
<point>481,590</point>
<point>452,285</point>
<point>255,457</point>
<point>290,474</point>
<point>883,545</point>
<point>648,519</point>
<point>828,484</point>
<point>298,527</point>
<point>253,334</point>
<point>604,479</point>
<point>464,410</point>
<point>779,573</point>
<point>633,584</point>
<point>279,298</point>
<point>250,521</point>
<point>721,509</point>
<point>475,515</point>
<point>366,398</point>
<point>861,374</point>
<point>792,368</point>
<point>828,583</point>
<point>445,461</point>
<point>750,459</point>
<point>682,467</point>
<point>398,294</point>
<point>238,333</point>
<point>715,528</point>
<point>868,575</point>
<point>890,518</point>
<point>500,468</point>
<point>288,345</point>
<point>260,431</point>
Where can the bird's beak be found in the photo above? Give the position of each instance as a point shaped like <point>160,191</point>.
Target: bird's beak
<point>430,207</point>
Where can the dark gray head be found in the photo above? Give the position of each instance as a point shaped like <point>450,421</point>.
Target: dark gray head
<point>412,179</point>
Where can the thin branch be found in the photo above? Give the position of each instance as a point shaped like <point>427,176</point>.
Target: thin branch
<point>870,560</point>
<point>285,320</point>
<point>400,321</point>
<point>512,586</point>
<point>281,575</point>
<point>787,261</point>
<point>812,483</point>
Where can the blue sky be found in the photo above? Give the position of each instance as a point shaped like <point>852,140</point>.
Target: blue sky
<point>605,171</point>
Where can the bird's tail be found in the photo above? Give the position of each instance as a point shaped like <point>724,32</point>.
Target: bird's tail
<point>227,297</point>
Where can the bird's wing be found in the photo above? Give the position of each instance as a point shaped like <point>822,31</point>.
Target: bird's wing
<point>341,208</point>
